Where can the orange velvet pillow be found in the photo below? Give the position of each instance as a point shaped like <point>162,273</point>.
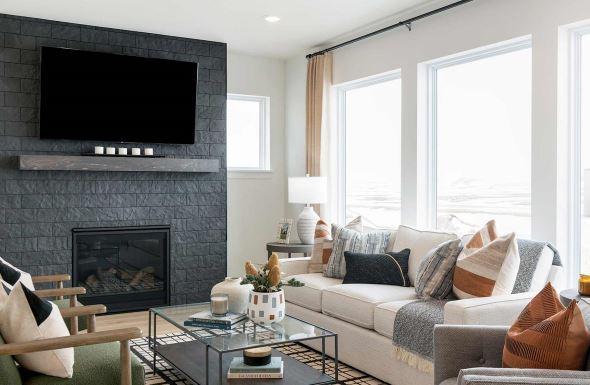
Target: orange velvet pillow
<point>547,335</point>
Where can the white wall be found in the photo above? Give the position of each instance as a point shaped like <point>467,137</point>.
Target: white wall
<point>256,201</point>
<point>467,27</point>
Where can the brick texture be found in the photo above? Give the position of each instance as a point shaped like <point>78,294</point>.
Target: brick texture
<point>38,209</point>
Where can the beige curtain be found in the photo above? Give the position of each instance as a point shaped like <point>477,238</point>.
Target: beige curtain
<point>319,80</point>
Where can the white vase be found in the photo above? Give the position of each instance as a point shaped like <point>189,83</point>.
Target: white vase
<point>236,292</point>
<point>266,308</point>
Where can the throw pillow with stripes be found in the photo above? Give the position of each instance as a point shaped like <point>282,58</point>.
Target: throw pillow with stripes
<point>350,240</point>
<point>322,247</point>
<point>487,265</point>
<point>547,335</point>
<point>435,275</point>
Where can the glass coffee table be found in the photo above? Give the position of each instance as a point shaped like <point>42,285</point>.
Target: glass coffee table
<point>205,359</point>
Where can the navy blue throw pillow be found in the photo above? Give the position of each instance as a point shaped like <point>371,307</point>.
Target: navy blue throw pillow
<point>381,269</point>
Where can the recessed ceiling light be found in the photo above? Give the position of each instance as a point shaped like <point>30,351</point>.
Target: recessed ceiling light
<point>272,19</point>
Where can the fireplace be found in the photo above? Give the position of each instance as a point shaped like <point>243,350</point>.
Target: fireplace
<point>125,268</point>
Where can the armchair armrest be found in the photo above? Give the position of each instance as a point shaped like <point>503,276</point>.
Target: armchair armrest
<point>294,266</point>
<point>459,347</point>
<point>120,335</point>
<point>56,278</point>
<point>498,310</point>
<point>506,376</point>
<point>66,291</point>
<point>116,335</point>
<point>89,311</point>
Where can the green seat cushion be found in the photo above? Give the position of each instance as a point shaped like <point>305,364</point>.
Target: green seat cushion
<point>9,374</point>
<point>65,303</point>
<point>93,365</point>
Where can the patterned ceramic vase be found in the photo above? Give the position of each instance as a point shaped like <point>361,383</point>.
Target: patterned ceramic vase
<point>266,308</point>
<point>236,292</point>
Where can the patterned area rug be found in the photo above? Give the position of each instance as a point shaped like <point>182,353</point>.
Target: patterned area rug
<point>168,375</point>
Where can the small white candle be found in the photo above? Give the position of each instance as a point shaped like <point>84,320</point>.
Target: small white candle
<point>110,150</point>
<point>135,151</point>
<point>122,150</point>
<point>99,150</point>
<point>148,151</point>
<point>219,305</point>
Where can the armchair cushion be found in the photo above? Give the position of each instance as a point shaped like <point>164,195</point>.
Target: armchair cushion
<point>94,365</point>
<point>64,304</point>
<point>501,376</point>
<point>8,370</point>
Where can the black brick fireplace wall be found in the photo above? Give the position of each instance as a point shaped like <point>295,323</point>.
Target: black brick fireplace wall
<point>38,209</point>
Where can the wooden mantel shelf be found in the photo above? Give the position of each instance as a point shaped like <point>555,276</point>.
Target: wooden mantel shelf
<point>105,163</point>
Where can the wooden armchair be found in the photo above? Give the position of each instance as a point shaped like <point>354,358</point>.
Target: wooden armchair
<point>63,297</point>
<point>96,360</point>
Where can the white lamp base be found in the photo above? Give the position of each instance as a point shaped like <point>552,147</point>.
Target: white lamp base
<point>306,225</point>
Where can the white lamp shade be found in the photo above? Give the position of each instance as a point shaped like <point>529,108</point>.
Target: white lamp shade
<point>308,190</point>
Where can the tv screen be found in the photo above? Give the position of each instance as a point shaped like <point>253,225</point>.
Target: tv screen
<point>108,97</point>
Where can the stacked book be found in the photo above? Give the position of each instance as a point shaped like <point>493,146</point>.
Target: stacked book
<point>238,369</point>
<point>207,320</point>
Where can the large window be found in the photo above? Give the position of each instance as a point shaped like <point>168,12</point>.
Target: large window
<point>370,159</point>
<point>247,132</point>
<point>480,147</point>
<point>580,152</point>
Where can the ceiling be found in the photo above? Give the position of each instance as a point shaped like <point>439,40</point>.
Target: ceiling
<point>304,24</point>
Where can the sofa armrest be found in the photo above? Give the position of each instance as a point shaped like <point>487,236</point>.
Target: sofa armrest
<point>460,347</point>
<point>498,310</point>
<point>506,376</point>
<point>294,266</point>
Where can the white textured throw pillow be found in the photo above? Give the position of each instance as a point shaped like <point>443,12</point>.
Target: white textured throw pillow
<point>25,318</point>
<point>487,266</point>
<point>420,243</point>
<point>11,275</point>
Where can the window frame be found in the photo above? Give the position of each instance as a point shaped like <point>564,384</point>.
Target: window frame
<point>574,151</point>
<point>431,154</point>
<point>341,90</point>
<point>264,132</point>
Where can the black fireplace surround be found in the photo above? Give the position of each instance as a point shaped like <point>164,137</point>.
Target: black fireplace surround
<point>39,209</point>
<point>125,268</point>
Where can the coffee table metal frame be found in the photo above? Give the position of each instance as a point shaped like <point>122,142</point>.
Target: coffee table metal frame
<point>153,343</point>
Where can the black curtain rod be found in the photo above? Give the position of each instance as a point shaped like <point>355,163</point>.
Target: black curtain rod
<point>406,23</point>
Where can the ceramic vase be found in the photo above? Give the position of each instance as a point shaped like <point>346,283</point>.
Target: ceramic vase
<point>236,292</point>
<point>266,308</point>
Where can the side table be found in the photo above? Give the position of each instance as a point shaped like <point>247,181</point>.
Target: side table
<point>288,248</point>
<point>567,296</point>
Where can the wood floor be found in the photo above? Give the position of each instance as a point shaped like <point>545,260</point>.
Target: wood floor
<point>135,319</point>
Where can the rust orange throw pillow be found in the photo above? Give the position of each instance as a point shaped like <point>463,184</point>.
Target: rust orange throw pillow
<point>547,335</point>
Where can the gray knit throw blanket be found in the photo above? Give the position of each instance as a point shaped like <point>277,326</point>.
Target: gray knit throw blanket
<point>414,323</point>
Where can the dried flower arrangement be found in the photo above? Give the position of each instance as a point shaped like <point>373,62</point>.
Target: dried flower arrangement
<point>267,279</point>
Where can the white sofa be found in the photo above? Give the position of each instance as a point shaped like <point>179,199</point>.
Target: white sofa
<point>363,316</point>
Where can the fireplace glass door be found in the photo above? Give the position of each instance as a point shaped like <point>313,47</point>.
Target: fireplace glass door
<point>123,268</point>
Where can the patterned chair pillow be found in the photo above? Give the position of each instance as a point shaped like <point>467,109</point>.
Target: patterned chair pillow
<point>322,248</point>
<point>547,335</point>
<point>10,275</point>
<point>379,269</point>
<point>354,241</point>
<point>435,275</point>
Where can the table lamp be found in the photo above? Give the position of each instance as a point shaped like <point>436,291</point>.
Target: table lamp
<point>307,190</point>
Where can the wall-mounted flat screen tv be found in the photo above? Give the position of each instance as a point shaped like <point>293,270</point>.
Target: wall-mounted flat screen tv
<point>116,98</point>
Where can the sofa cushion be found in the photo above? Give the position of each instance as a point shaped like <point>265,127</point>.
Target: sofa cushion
<point>95,364</point>
<point>420,243</point>
<point>355,303</point>
<point>310,295</point>
<point>385,316</point>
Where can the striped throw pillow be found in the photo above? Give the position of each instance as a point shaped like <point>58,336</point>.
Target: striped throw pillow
<point>487,265</point>
<point>435,275</point>
<point>322,248</point>
<point>354,241</point>
<point>547,335</point>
